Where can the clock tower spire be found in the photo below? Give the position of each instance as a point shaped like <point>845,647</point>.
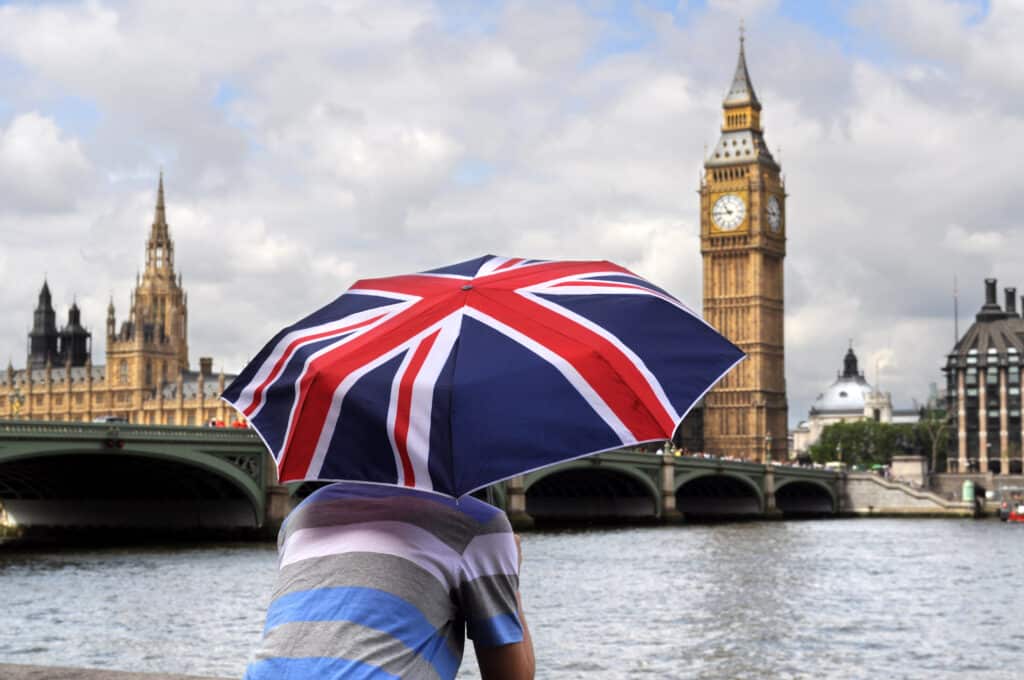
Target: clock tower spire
<point>743,246</point>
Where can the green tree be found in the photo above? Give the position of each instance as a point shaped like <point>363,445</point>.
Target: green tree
<point>931,431</point>
<point>863,442</point>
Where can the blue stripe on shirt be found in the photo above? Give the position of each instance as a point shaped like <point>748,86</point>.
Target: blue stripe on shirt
<point>503,629</point>
<point>315,667</point>
<point>372,608</point>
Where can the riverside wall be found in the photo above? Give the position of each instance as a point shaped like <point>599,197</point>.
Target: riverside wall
<point>866,494</point>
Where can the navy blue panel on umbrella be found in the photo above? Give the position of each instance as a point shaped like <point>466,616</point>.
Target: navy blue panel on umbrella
<point>514,412</point>
<point>360,444</point>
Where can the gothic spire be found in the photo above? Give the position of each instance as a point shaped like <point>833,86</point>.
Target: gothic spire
<point>160,218</point>
<point>159,249</point>
<point>741,92</point>
<point>45,299</point>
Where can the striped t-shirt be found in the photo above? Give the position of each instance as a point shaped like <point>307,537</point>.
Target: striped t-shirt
<point>385,582</point>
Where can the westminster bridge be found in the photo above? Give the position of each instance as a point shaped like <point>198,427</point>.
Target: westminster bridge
<point>57,475</point>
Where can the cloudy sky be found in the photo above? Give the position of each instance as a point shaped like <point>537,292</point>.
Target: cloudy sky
<point>305,145</point>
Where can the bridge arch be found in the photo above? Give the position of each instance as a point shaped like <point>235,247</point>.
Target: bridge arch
<point>138,487</point>
<point>718,494</point>
<point>583,491</point>
<point>805,497</point>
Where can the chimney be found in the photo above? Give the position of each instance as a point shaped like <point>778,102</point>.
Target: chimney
<point>205,366</point>
<point>990,311</point>
<point>1011,301</point>
<point>990,292</point>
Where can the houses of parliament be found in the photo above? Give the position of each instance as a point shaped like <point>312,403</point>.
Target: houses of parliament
<point>147,377</point>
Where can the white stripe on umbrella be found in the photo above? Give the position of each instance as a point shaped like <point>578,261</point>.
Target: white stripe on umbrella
<point>562,366</point>
<point>656,387</point>
<point>331,421</point>
<point>421,406</point>
<point>245,398</point>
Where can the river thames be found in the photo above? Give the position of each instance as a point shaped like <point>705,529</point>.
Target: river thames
<point>815,599</point>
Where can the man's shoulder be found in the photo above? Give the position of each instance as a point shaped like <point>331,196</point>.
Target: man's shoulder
<point>348,504</point>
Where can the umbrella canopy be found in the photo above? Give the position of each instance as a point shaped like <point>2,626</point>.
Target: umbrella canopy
<point>455,378</point>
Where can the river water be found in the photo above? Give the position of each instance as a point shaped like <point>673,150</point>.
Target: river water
<point>815,599</point>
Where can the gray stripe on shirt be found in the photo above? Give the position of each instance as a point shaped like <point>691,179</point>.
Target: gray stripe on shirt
<point>345,640</point>
<point>388,573</point>
<point>488,596</point>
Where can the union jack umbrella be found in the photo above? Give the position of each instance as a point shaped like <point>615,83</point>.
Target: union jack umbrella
<point>455,378</point>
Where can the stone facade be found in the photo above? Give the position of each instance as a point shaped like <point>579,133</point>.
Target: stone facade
<point>146,378</point>
<point>743,245</point>
<point>983,374</point>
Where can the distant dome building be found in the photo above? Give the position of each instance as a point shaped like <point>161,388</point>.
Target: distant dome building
<point>850,398</point>
<point>983,387</point>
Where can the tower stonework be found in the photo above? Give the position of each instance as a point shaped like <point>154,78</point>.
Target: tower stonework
<point>743,246</point>
<point>151,347</point>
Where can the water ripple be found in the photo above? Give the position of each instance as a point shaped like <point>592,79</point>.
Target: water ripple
<point>828,599</point>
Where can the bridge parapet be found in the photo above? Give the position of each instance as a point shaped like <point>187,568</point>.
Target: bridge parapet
<point>712,481</point>
<point>49,430</point>
<point>58,471</point>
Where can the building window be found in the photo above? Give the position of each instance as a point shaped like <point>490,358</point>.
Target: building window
<point>191,418</point>
<point>992,376</point>
<point>58,400</point>
<point>78,399</point>
<point>149,373</point>
<point>1014,391</point>
<point>98,399</point>
<point>972,392</point>
<point>122,372</point>
<point>1013,375</point>
<point>972,376</point>
<point>170,419</point>
<point>38,400</point>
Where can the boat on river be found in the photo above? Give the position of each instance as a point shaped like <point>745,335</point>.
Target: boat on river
<point>1011,507</point>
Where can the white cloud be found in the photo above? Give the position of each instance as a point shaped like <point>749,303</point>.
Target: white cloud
<point>308,144</point>
<point>41,170</point>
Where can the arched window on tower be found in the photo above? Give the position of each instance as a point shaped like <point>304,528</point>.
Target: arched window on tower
<point>122,372</point>
<point>149,373</point>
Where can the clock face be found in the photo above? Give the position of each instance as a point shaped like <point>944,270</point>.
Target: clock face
<point>728,212</point>
<point>774,212</point>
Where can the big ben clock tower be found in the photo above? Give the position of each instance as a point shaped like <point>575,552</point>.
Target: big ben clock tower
<point>743,245</point>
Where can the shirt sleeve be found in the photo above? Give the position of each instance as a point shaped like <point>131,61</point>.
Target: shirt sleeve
<point>488,586</point>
